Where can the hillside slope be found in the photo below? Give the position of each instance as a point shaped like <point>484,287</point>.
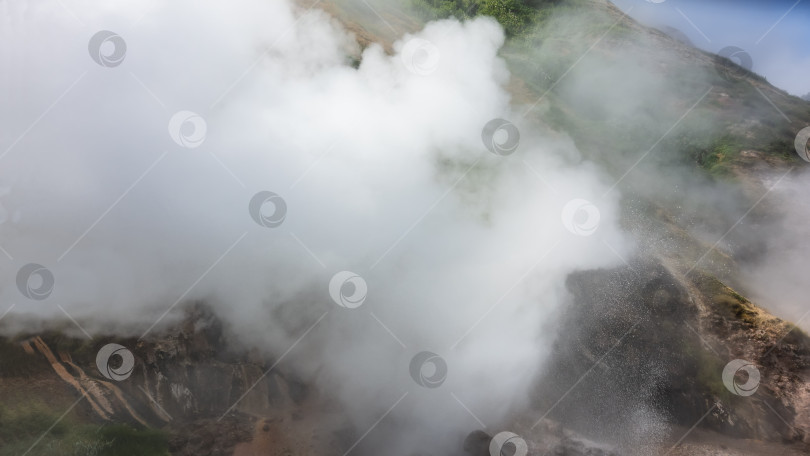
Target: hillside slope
<point>636,367</point>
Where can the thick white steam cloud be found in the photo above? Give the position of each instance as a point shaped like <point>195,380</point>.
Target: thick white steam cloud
<point>777,278</point>
<point>381,167</point>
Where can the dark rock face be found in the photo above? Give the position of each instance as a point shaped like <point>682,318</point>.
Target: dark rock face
<point>191,373</point>
<point>477,443</point>
<point>643,348</point>
<point>186,381</point>
<point>570,447</point>
<point>640,349</point>
<point>550,441</point>
<point>622,342</point>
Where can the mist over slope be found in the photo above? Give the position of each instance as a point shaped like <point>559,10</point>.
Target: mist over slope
<point>134,192</point>
<point>349,209</point>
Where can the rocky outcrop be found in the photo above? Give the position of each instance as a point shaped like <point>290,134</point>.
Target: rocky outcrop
<point>186,381</point>
<point>551,440</point>
<point>645,348</point>
<point>638,364</point>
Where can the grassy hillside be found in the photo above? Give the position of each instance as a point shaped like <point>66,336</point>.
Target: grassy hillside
<point>41,428</point>
<point>516,16</point>
<point>560,48</point>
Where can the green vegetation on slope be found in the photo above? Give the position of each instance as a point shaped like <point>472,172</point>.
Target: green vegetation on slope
<point>734,304</point>
<point>547,38</point>
<point>516,16</point>
<point>38,427</point>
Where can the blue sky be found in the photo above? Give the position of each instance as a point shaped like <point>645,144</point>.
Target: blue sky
<point>775,33</point>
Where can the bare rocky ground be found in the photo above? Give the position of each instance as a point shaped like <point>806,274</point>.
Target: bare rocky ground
<point>657,343</point>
